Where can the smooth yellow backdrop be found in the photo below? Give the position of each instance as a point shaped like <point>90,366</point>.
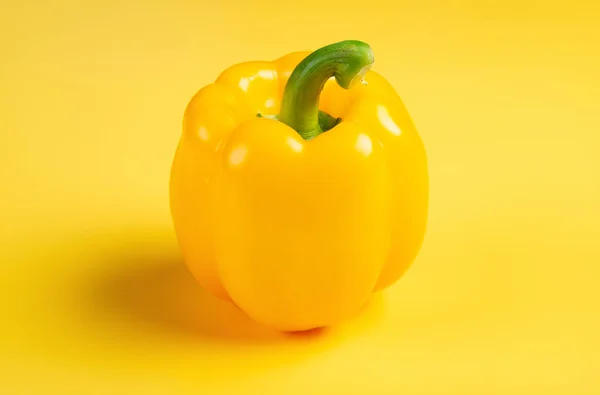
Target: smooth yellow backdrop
<point>503,298</point>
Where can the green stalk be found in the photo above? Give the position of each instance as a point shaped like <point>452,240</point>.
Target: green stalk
<point>347,61</point>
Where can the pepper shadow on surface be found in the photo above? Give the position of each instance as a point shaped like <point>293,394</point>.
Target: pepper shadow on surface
<point>159,291</point>
<point>148,287</point>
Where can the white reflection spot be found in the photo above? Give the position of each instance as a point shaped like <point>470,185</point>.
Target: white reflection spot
<point>364,145</point>
<point>266,74</point>
<point>387,121</point>
<point>203,133</point>
<point>244,84</point>
<point>237,155</point>
<point>294,144</point>
<point>361,75</point>
<point>270,103</point>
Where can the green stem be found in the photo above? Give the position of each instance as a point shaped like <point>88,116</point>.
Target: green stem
<point>347,61</point>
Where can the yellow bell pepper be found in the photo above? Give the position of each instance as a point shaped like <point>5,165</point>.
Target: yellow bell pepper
<point>299,186</point>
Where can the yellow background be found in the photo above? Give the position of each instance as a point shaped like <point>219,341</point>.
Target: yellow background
<point>503,298</point>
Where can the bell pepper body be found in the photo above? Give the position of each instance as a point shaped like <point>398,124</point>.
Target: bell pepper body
<point>298,233</point>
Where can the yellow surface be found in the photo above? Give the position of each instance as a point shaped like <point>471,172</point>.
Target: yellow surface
<point>503,298</point>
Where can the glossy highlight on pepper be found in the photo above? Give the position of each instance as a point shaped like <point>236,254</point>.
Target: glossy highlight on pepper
<point>296,192</point>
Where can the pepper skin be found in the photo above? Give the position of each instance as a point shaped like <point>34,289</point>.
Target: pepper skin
<point>295,224</point>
